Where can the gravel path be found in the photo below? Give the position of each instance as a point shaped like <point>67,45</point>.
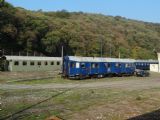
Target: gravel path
<point>121,84</point>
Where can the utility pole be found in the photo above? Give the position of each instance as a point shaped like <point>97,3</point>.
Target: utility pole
<point>62,52</point>
<point>119,55</point>
<point>101,48</point>
<point>62,61</point>
<point>3,52</point>
<point>110,49</point>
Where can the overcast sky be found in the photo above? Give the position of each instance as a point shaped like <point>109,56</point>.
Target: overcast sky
<point>146,10</point>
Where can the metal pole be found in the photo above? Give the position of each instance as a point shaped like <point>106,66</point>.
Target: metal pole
<point>62,52</point>
<point>62,61</point>
<point>119,54</point>
<point>101,48</point>
<point>110,50</point>
<point>12,52</point>
<point>3,52</point>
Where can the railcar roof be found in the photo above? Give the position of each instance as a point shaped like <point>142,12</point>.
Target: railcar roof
<point>98,59</point>
<point>150,61</point>
<point>34,58</point>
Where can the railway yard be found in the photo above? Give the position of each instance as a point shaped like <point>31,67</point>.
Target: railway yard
<point>40,95</point>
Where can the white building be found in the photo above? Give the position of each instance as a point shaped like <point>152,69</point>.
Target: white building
<point>158,61</point>
<point>155,67</point>
<point>32,63</point>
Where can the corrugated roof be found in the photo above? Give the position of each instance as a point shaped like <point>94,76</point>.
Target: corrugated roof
<point>34,58</point>
<point>98,59</point>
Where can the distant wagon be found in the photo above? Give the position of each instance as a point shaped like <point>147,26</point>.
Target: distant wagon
<point>30,63</point>
<point>145,64</point>
<point>86,67</point>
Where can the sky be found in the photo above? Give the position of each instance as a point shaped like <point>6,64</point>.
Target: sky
<point>145,10</point>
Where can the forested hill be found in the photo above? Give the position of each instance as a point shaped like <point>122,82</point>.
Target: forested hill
<point>79,33</point>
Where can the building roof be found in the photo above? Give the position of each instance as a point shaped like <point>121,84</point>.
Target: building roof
<point>34,58</point>
<point>98,59</point>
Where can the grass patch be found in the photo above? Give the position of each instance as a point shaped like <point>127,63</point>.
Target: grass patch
<point>79,100</point>
<point>112,103</point>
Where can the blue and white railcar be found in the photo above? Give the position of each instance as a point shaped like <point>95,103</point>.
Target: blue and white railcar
<point>83,67</point>
<point>144,64</point>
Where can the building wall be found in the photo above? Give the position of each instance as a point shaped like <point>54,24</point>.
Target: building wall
<point>29,66</point>
<point>154,67</point>
<point>159,61</point>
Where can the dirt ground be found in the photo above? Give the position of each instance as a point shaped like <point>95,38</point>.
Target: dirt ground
<point>96,99</point>
<point>133,84</point>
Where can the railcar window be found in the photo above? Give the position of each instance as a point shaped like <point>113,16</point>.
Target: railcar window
<point>108,65</point>
<point>83,65</point>
<point>118,65</point>
<point>72,65</point>
<point>127,65</point>
<point>93,65</point>
<point>58,63</point>
<point>39,63</point>
<point>32,63</point>
<point>52,63</point>
<point>77,65</point>
<point>16,63</point>
<point>96,65</point>
<point>46,63</point>
<point>24,63</point>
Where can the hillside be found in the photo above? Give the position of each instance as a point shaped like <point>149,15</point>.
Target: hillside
<point>79,33</point>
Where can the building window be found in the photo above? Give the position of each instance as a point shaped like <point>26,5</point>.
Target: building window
<point>39,63</point>
<point>58,63</point>
<point>16,63</point>
<point>32,63</point>
<point>46,63</point>
<point>24,63</point>
<point>52,63</point>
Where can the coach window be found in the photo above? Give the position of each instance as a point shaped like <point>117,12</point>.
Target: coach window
<point>39,63</point>
<point>16,63</point>
<point>127,65</point>
<point>72,65</point>
<point>52,63</point>
<point>46,63</point>
<point>118,65</point>
<point>93,65</point>
<point>83,65</point>
<point>96,65</point>
<point>32,63</point>
<point>108,65</point>
<point>77,65</point>
<point>24,63</point>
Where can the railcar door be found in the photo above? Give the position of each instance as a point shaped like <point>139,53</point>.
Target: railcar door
<point>84,69</point>
<point>72,68</point>
<point>65,68</point>
<point>108,69</point>
<point>94,69</point>
<point>118,68</point>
